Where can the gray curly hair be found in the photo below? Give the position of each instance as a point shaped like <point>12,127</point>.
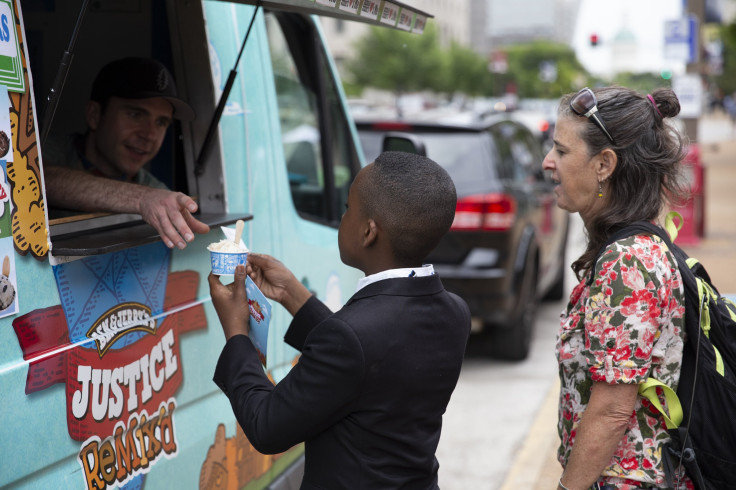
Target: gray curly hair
<point>650,151</point>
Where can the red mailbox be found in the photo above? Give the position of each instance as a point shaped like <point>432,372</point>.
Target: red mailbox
<point>693,209</point>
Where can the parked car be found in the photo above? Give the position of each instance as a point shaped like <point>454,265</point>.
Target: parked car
<point>506,248</point>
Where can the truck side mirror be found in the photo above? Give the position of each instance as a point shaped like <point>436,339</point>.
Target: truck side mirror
<point>407,142</point>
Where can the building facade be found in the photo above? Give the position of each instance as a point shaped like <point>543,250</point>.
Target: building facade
<point>496,23</point>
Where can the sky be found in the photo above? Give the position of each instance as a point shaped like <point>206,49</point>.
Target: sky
<point>644,18</point>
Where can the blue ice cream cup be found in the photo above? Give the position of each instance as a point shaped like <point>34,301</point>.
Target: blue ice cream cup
<point>224,263</point>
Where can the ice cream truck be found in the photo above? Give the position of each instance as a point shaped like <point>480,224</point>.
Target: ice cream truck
<point>108,338</point>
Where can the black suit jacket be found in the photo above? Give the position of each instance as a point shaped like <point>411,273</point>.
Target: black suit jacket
<point>370,388</point>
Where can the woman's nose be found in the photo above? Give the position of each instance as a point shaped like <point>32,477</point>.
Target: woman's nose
<point>548,163</point>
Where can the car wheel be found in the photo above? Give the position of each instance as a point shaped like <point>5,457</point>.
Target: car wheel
<point>513,341</point>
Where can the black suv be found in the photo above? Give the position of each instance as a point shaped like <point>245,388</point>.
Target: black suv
<point>506,248</point>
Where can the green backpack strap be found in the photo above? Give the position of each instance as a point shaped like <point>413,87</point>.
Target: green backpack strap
<point>670,226</point>
<point>648,390</point>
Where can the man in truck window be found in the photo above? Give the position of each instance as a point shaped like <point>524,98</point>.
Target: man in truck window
<point>132,104</point>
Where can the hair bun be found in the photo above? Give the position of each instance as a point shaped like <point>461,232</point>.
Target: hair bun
<point>667,102</point>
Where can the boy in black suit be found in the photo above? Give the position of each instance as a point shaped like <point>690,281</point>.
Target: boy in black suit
<point>374,378</point>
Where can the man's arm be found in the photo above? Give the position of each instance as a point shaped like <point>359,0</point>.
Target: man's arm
<point>167,211</point>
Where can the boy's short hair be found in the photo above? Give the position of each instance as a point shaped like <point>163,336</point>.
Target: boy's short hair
<point>413,199</point>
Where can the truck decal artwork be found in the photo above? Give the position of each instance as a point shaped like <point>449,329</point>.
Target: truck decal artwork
<point>131,450</point>
<point>114,341</point>
<point>99,397</point>
<point>29,216</point>
<point>11,66</point>
<point>8,294</point>
<point>119,320</point>
<point>8,280</point>
<point>232,462</point>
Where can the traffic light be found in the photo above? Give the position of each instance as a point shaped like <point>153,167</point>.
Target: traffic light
<point>594,39</point>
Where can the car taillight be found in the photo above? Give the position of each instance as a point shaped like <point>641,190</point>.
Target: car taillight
<point>391,126</point>
<point>489,212</point>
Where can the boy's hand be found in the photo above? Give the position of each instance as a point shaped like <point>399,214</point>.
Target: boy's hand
<point>231,303</point>
<point>277,282</point>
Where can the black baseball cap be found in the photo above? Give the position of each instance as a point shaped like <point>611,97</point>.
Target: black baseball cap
<point>139,78</point>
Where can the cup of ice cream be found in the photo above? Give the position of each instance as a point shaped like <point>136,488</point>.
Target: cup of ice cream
<point>225,255</point>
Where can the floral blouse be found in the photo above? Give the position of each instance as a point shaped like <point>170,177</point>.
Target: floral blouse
<point>626,326</point>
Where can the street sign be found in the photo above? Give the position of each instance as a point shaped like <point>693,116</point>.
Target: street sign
<point>689,91</point>
<point>681,39</point>
<point>499,62</point>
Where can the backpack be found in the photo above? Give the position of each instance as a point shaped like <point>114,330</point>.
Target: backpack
<point>702,414</point>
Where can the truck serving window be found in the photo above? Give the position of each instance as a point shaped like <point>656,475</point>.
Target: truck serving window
<point>111,31</point>
<point>320,160</point>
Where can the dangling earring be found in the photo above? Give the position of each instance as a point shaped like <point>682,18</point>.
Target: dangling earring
<point>600,190</point>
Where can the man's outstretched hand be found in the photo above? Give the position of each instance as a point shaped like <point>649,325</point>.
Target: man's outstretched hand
<point>170,213</point>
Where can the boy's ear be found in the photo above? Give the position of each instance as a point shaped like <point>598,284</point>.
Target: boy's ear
<point>370,233</point>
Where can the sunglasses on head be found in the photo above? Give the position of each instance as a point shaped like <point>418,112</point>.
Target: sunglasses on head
<point>585,104</point>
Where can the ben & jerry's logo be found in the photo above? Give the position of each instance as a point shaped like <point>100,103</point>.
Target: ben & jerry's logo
<point>119,320</point>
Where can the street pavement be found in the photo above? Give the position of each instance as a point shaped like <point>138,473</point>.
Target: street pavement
<point>535,465</point>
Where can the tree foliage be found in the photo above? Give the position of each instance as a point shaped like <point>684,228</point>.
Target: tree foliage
<point>644,83</point>
<point>465,72</point>
<point>398,61</point>
<point>727,80</point>
<point>401,62</point>
<point>525,69</point>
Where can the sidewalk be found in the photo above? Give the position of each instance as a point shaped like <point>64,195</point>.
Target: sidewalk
<point>535,466</point>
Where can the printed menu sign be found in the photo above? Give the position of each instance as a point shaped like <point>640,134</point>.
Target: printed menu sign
<point>11,65</point>
<point>405,19</point>
<point>419,22</point>
<point>390,13</point>
<point>349,5</point>
<point>370,9</point>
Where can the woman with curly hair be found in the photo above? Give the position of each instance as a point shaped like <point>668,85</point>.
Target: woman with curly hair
<point>616,160</point>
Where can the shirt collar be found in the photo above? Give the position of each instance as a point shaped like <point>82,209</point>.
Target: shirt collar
<point>425,270</point>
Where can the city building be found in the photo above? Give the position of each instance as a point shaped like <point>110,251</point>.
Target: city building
<point>496,23</point>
